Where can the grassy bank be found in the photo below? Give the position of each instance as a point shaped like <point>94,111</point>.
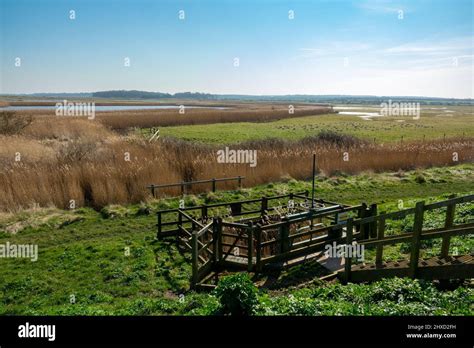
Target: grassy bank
<point>109,263</point>
<point>433,124</point>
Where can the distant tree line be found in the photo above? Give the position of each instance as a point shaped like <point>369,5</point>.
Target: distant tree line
<point>294,98</point>
<point>150,95</point>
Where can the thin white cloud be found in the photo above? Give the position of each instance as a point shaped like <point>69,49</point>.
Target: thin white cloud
<point>334,48</point>
<point>380,6</point>
<point>452,47</point>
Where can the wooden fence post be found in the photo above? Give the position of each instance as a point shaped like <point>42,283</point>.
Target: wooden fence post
<point>195,258</point>
<point>447,224</point>
<point>362,213</point>
<point>347,258</point>
<point>373,225</point>
<point>219,240</point>
<point>416,241</point>
<point>236,208</point>
<point>158,215</point>
<point>214,240</point>
<point>213,185</point>
<point>250,247</point>
<point>258,264</point>
<point>381,235</point>
<point>264,205</point>
<point>284,237</point>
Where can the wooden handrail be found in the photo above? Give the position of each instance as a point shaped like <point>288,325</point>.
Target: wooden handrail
<point>204,229</point>
<point>448,202</point>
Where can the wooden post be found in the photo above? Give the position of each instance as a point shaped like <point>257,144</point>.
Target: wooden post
<point>195,258</point>
<point>362,214</point>
<point>152,190</point>
<point>258,265</point>
<point>213,185</point>
<point>347,259</point>
<point>447,224</point>
<point>250,247</point>
<point>182,188</point>
<point>236,208</point>
<point>215,237</point>
<point>239,179</point>
<point>219,240</point>
<point>284,234</point>
<point>264,205</point>
<point>416,241</point>
<point>373,225</point>
<point>380,237</point>
<point>158,235</point>
<point>204,212</point>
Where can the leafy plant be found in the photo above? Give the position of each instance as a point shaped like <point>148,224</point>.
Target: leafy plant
<point>237,294</point>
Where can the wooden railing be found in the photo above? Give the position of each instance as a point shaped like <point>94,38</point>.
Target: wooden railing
<point>242,244</point>
<point>170,217</point>
<point>415,237</point>
<point>188,184</point>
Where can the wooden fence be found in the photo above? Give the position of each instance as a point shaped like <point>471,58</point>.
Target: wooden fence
<point>168,220</point>
<point>256,241</point>
<point>378,240</point>
<point>187,185</point>
<point>252,243</point>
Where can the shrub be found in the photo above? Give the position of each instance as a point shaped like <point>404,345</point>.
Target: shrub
<point>420,179</point>
<point>237,294</point>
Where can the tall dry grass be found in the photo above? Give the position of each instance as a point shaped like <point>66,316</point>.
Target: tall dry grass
<point>93,171</point>
<point>155,118</point>
<point>122,120</point>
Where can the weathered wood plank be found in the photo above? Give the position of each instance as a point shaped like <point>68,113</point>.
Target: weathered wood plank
<point>448,223</point>
<point>416,241</point>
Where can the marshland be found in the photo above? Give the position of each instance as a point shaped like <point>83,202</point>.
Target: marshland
<point>50,160</point>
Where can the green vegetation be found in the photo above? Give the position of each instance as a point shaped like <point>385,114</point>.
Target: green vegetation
<point>432,124</point>
<point>387,297</point>
<point>237,295</point>
<point>109,263</point>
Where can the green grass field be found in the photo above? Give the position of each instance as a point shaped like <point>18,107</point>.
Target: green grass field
<point>432,124</point>
<point>84,266</point>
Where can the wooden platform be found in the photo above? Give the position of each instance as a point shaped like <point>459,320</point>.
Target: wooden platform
<point>451,267</point>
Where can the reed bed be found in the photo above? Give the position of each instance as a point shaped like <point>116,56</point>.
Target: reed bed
<point>94,171</point>
<point>126,119</point>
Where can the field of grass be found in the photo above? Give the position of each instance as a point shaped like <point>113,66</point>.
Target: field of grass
<point>84,266</point>
<point>433,124</point>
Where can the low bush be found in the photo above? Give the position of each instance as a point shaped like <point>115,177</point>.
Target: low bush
<point>237,295</point>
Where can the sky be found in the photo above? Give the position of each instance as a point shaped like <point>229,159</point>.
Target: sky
<point>258,47</point>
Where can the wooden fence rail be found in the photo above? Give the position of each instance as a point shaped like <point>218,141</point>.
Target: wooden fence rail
<point>253,243</point>
<point>242,244</point>
<point>414,238</point>
<point>235,209</point>
<point>188,184</point>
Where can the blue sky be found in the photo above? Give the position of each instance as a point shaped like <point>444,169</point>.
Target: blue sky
<point>329,47</point>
